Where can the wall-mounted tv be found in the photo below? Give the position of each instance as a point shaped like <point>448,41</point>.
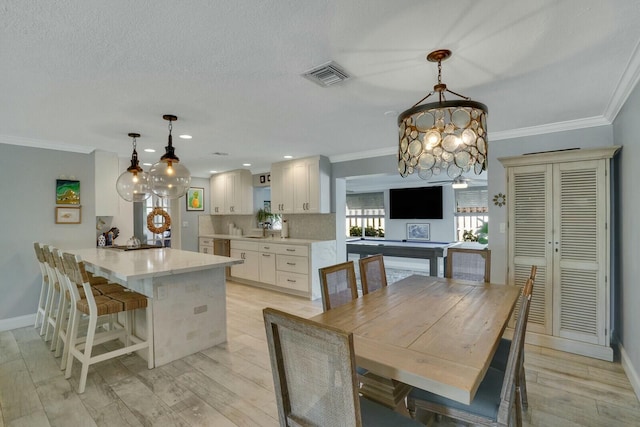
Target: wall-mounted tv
<point>415,203</point>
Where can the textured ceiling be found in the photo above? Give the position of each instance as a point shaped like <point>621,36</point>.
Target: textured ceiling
<point>81,74</point>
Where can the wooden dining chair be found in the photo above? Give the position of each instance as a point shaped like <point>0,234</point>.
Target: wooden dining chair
<point>338,283</point>
<point>468,264</point>
<point>501,356</point>
<point>497,401</point>
<point>372,273</point>
<point>313,368</point>
<point>80,343</point>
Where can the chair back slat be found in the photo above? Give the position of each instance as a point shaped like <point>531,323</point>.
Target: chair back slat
<point>338,283</point>
<point>468,264</point>
<point>510,392</point>
<point>372,273</point>
<point>313,370</point>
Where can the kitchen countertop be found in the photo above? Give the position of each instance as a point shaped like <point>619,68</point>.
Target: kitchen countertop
<point>141,264</point>
<point>272,239</point>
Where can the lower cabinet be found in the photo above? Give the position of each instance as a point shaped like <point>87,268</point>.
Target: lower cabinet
<point>280,266</point>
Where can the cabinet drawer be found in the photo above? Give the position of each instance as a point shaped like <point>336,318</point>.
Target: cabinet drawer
<point>206,241</point>
<point>299,282</point>
<point>293,264</point>
<point>245,246</point>
<point>291,250</point>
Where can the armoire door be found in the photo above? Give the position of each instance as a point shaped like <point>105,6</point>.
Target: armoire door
<point>530,235</point>
<point>579,251</point>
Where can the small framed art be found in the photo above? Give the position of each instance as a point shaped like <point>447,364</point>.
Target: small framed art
<point>195,199</point>
<point>68,215</point>
<point>67,192</point>
<point>418,232</point>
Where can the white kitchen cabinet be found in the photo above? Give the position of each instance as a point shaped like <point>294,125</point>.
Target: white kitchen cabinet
<point>205,245</point>
<point>285,267</point>
<point>217,196</point>
<point>559,219</point>
<point>232,193</point>
<point>301,186</point>
<point>247,251</point>
<point>106,170</point>
<point>268,268</point>
<point>282,187</point>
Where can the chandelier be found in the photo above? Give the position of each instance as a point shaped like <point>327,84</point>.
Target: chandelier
<point>133,184</point>
<point>169,178</point>
<point>442,136</point>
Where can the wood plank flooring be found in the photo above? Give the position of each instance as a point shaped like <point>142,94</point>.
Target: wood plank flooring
<point>231,384</point>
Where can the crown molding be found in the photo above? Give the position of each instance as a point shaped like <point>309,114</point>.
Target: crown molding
<point>628,81</point>
<point>49,145</point>
<point>588,122</point>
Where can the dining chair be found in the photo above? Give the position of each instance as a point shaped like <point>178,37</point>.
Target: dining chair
<point>501,356</point>
<point>44,288</point>
<point>468,264</point>
<point>338,283</point>
<point>497,401</point>
<point>313,369</point>
<point>94,307</point>
<point>372,273</point>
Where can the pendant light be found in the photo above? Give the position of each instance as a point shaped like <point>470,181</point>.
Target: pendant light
<point>133,184</point>
<point>169,178</point>
<point>448,136</point>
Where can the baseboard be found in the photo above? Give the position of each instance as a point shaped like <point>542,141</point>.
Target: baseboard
<point>632,374</point>
<point>17,322</point>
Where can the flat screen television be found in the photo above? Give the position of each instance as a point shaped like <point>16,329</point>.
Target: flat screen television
<point>415,203</point>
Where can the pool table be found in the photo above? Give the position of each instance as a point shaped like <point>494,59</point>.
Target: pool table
<point>400,248</point>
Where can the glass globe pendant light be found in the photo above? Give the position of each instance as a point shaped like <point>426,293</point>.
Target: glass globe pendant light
<point>133,184</point>
<point>169,178</point>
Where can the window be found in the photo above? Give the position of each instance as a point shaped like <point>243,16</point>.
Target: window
<point>472,208</point>
<point>365,215</point>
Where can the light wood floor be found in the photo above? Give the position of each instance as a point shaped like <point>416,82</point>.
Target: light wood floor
<point>231,385</point>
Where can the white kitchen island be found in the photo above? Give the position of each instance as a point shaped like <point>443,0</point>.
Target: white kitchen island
<point>187,291</point>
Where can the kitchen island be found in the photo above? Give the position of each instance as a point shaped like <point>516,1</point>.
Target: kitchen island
<point>187,291</point>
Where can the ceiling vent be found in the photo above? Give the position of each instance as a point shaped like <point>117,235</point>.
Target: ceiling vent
<point>327,74</point>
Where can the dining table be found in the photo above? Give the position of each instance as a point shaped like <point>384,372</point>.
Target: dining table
<point>437,334</point>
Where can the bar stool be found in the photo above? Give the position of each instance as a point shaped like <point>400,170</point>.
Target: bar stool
<point>44,289</point>
<point>95,306</point>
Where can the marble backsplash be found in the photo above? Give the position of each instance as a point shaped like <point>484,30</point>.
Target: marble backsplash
<point>301,226</point>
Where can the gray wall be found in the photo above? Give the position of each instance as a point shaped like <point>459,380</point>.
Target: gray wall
<point>27,215</point>
<point>626,129</point>
<point>189,236</point>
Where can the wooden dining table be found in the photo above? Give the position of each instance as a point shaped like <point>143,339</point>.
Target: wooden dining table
<point>434,333</point>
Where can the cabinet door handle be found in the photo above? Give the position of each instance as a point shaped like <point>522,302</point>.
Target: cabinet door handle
<point>291,281</point>
<point>266,255</point>
<point>291,263</point>
<point>290,250</point>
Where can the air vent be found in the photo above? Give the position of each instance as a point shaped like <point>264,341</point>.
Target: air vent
<point>327,74</point>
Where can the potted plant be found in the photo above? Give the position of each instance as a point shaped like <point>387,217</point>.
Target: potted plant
<point>266,218</point>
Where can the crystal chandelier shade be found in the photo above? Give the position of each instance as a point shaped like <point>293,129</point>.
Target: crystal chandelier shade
<point>444,136</point>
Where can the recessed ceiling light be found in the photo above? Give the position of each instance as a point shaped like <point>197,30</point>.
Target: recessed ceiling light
<point>213,171</point>
<point>288,157</point>
<point>147,164</point>
<point>246,164</point>
<point>149,150</point>
<point>391,113</point>
<point>186,136</point>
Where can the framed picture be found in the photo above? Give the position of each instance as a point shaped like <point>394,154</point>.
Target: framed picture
<point>195,199</point>
<point>67,192</point>
<point>418,232</point>
<point>68,215</point>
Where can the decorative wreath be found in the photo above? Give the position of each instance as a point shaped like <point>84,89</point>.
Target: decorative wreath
<point>165,225</point>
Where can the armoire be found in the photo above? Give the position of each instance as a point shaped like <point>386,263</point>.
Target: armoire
<point>559,218</point>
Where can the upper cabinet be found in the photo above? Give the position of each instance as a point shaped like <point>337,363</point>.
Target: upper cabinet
<point>106,170</point>
<point>232,193</point>
<point>301,186</point>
